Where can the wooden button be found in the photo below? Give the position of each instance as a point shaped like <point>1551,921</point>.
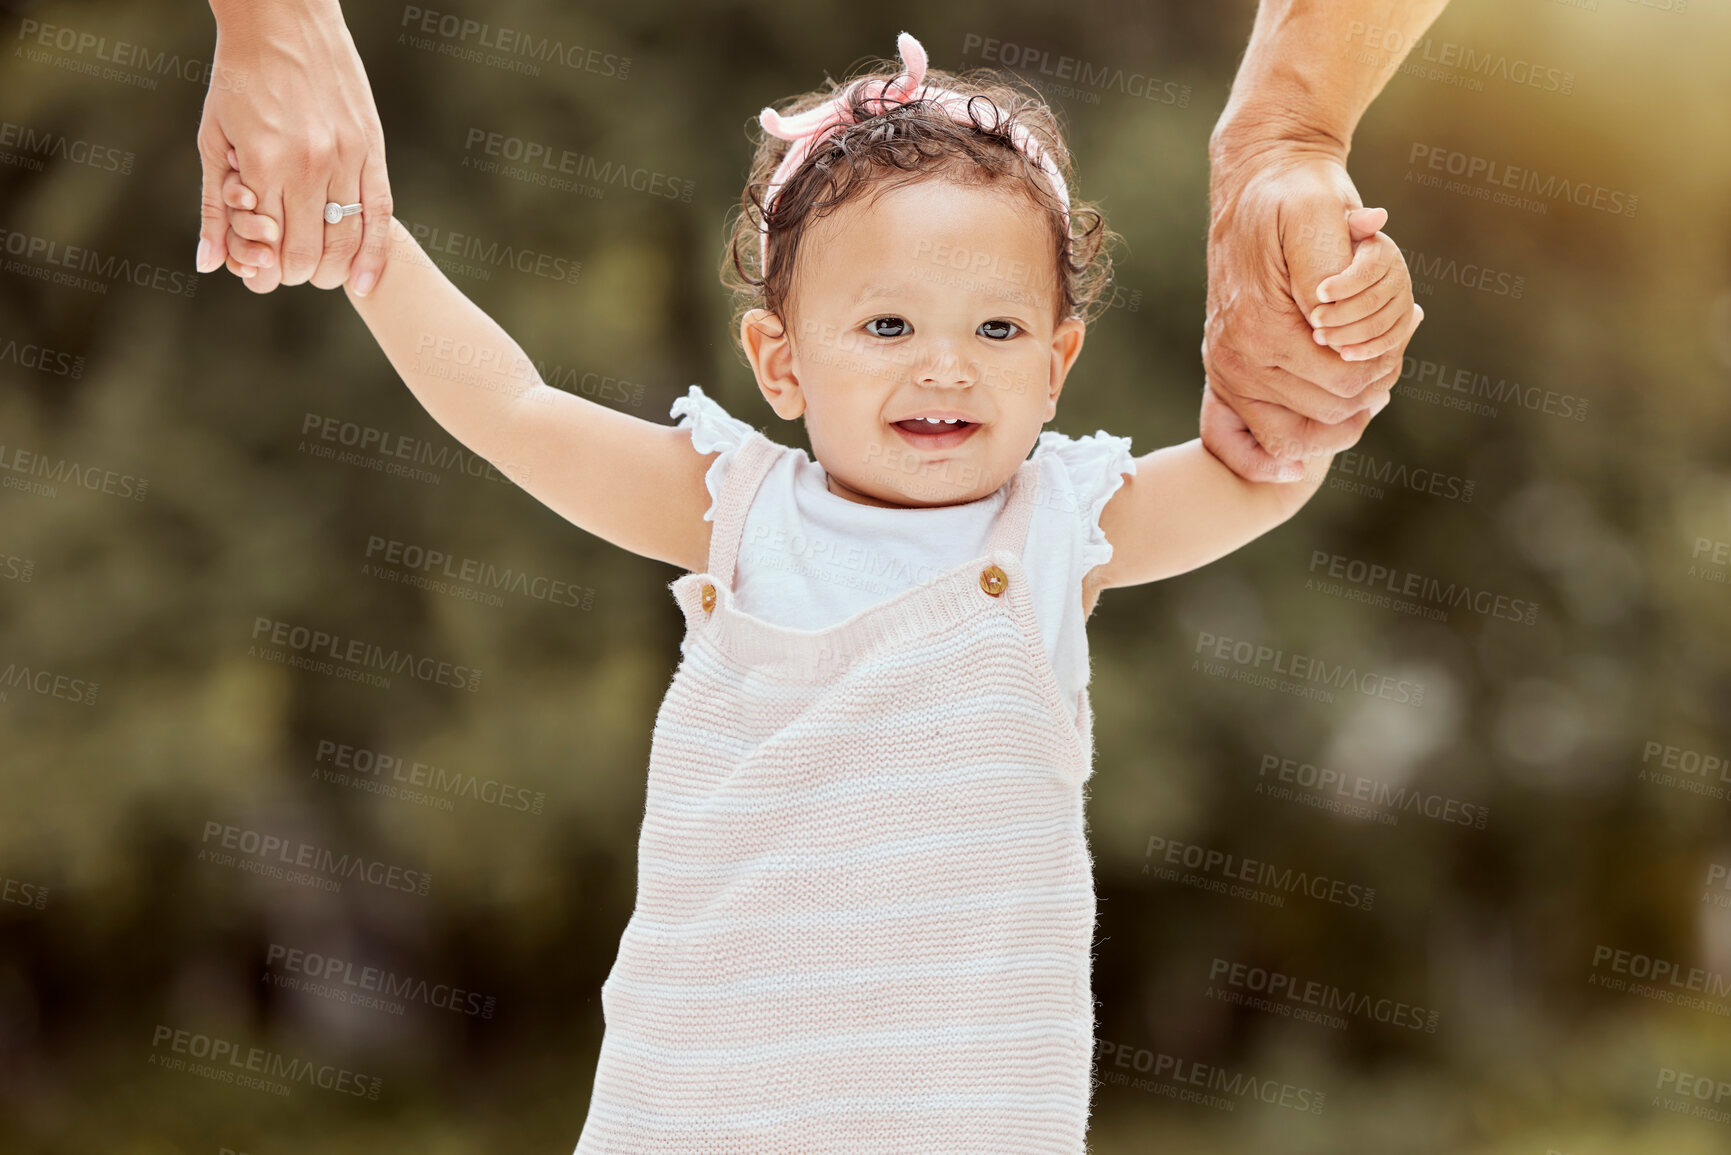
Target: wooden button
<point>993,581</point>
<point>708,598</point>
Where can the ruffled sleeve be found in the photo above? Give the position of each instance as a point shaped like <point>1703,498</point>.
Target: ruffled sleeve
<point>712,428</point>
<point>1094,469</point>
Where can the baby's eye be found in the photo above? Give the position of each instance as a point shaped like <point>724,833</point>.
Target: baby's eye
<point>900,327</point>
<point>999,330</point>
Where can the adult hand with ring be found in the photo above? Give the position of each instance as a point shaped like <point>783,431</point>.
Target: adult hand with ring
<point>250,233</point>
<point>295,116</point>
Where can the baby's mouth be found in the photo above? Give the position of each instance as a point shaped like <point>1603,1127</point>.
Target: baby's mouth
<point>926,434</point>
<point>928,425</point>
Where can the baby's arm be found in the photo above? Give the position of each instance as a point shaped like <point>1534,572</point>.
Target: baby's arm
<point>635,483</point>
<point>1183,508</point>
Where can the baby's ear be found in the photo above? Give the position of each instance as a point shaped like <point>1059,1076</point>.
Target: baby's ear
<point>769,348</point>
<point>765,320</point>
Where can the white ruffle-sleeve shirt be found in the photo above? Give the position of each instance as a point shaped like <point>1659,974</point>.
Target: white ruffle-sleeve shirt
<point>809,559</point>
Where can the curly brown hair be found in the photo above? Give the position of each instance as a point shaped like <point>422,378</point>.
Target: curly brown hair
<point>909,142</point>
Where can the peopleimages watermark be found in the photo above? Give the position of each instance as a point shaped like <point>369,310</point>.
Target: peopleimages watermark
<point>259,1068</point>
<point>1089,79</point>
<point>1360,796</point>
<point>42,359</point>
<point>466,578</point>
<point>1217,870</point>
<point>1716,891</point>
<point>412,780</point>
<point>861,354</point>
<point>47,684</point>
<point>1696,771</point>
<point>1309,1000</point>
<point>1249,658</point>
<point>842,562</point>
<point>1716,568</point>
<point>19,892</point>
<point>16,569</point>
<point>512,372</point>
<point>1685,1093</point>
<point>395,454</point>
<point>1174,1077</point>
<point>1429,270</point>
<point>1470,391</point>
<point>1662,980</point>
<point>534,162</point>
<point>1350,465</point>
<point>1486,179</point>
<point>1389,587</point>
<point>36,143</point>
<point>510,49</point>
<point>302,647</point>
<point>1450,61</point>
<point>39,474</point>
<point>374,988</point>
<point>81,267</point>
<point>97,56</point>
<point>470,256</point>
<point>308,864</point>
<point>1669,7</point>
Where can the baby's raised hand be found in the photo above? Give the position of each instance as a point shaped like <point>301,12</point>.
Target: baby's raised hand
<point>1368,307</point>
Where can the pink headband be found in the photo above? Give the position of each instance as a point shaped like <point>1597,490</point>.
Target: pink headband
<point>809,128</point>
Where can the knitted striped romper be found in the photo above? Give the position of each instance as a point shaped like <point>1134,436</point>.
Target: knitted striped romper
<point>865,900</point>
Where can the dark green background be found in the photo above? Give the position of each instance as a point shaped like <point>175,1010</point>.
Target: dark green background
<point>1495,929</point>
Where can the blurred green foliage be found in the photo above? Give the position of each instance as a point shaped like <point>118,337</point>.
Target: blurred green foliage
<point>105,806</point>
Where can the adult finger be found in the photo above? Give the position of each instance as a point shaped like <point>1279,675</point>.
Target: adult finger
<point>1283,365</point>
<point>376,210</point>
<point>1286,442</point>
<point>213,217</point>
<point>303,204</point>
<point>343,238</point>
<point>1282,387</point>
<point>1317,243</point>
<point>1278,411</point>
<point>1294,438</point>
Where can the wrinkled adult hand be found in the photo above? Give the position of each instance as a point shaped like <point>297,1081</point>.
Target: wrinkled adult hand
<point>304,128</point>
<point>1288,233</point>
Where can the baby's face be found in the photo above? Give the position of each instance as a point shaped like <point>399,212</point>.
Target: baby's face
<point>929,300</point>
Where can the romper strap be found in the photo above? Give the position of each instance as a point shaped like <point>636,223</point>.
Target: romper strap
<point>751,463</point>
<point>1011,530</point>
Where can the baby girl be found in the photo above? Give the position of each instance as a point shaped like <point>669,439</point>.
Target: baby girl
<point>865,899</point>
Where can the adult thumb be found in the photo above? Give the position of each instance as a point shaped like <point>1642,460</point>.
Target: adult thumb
<point>213,216</point>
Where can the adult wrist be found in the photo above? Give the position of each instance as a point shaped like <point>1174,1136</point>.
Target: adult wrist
<point>1265,131</point>
<point>1252,148</point>
<point>241,17</point>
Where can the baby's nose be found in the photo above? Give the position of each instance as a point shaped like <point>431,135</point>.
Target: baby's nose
<point>945,365</point>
